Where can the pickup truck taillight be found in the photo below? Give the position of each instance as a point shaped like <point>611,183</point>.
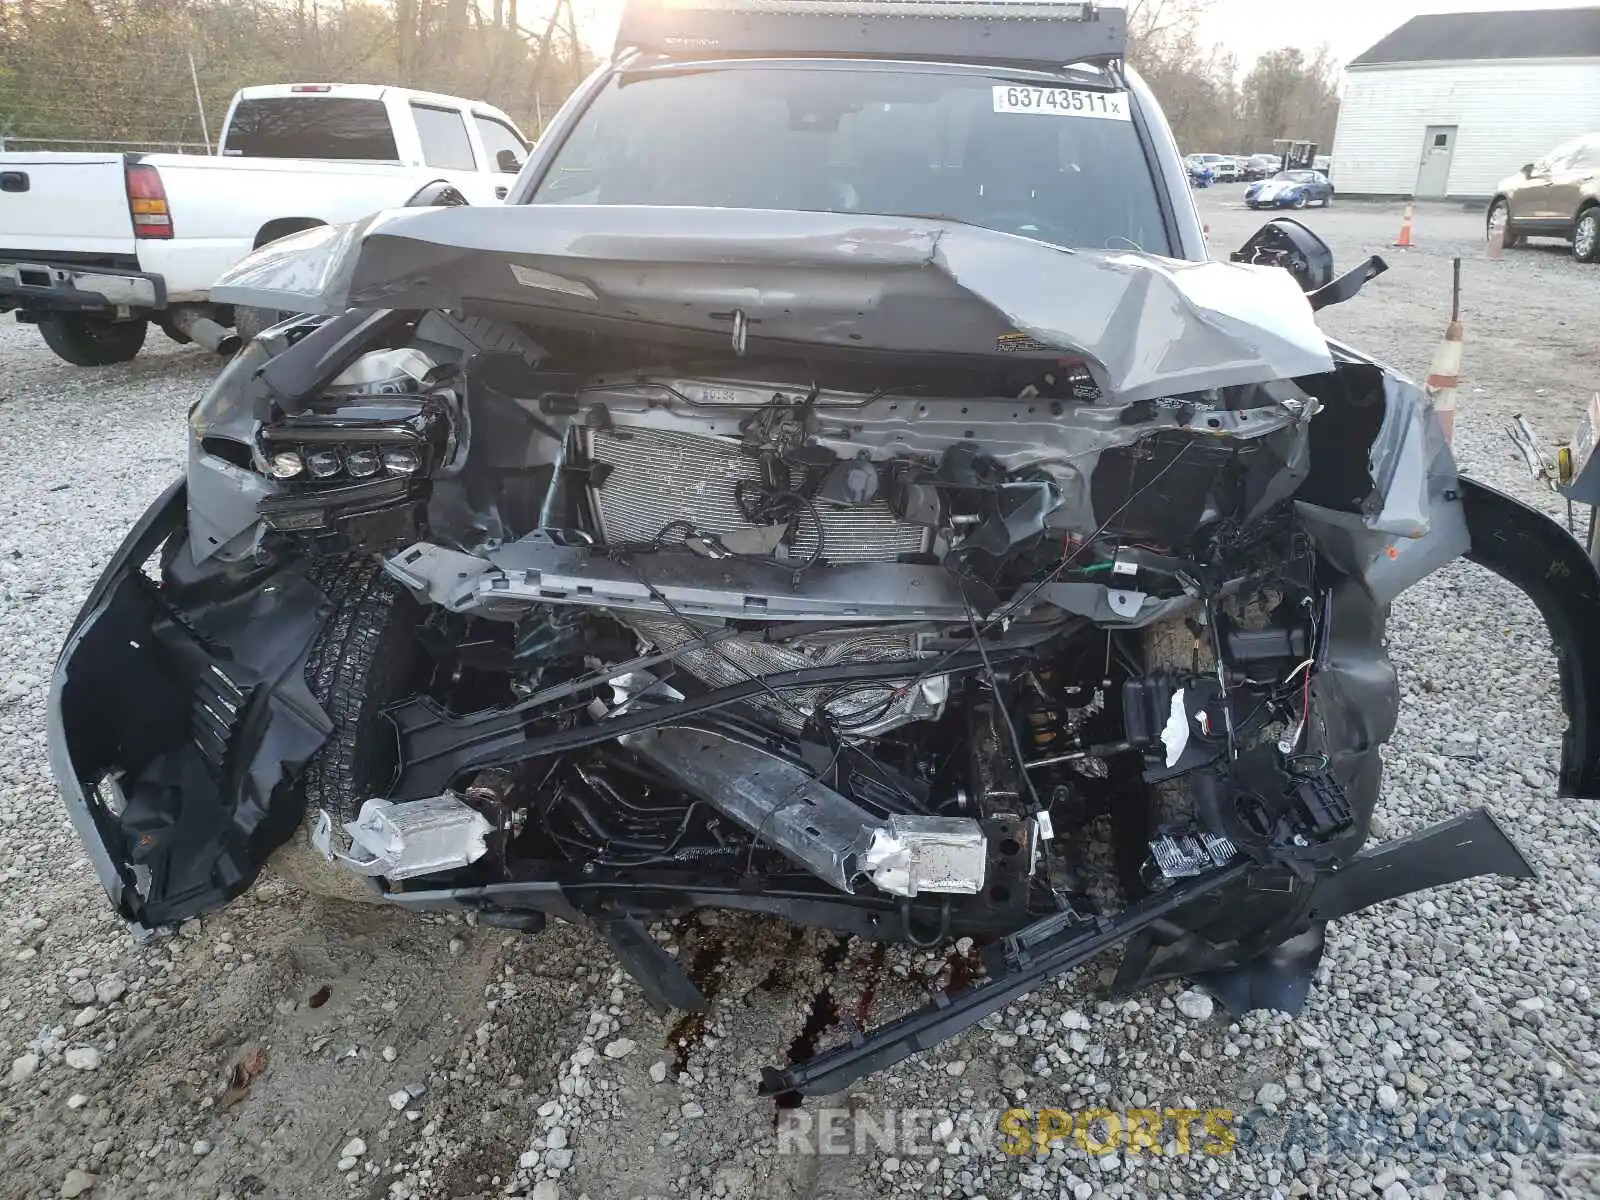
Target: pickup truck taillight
<point>147,201</point>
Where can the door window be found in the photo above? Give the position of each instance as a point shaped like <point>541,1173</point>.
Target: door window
<point>498,138</point>
<point>443,132</point>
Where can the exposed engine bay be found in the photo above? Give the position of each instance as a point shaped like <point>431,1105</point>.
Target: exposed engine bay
<point>606,622</point>
<point>1021,615</point>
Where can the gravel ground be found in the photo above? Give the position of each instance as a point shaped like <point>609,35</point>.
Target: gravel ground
<point>288,1048</point>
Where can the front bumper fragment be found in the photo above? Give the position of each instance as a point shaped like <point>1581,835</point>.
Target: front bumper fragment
<point>174,732</point>
<point>1460,848</point>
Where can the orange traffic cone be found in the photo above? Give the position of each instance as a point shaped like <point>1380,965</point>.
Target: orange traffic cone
<point>1404,242</point>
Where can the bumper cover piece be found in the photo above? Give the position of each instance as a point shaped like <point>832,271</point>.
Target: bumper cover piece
<point>1460,848</point>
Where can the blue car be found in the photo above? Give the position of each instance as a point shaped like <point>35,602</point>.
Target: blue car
<point>1290,189</point>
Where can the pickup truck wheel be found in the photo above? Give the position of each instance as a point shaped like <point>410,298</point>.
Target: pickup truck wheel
<point>360,663</point>
<point>93,341</point>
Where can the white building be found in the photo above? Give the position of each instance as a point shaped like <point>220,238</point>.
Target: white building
<point>1449,105</point>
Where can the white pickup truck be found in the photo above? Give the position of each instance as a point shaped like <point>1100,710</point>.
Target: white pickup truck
<point>94,248</point>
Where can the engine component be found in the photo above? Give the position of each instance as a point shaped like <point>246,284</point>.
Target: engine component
<point>656,477</point>
<point>1185,855</point>
<point>415,837</point>
<point>812,824</point>
<point>912,854</point>
<point>856,713</point>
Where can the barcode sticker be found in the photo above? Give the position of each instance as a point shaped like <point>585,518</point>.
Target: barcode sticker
<point>1061,102</point>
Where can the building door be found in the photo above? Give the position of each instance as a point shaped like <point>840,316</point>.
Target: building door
<point>1433,177</point>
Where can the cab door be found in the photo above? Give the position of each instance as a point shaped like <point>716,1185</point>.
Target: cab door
<point>449,148</point>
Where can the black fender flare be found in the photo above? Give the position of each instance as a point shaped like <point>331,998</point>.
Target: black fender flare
<point>438,194</point>
<point>1535,554</point>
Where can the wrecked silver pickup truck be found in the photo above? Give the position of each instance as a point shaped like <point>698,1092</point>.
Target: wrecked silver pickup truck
<point>837,485</point>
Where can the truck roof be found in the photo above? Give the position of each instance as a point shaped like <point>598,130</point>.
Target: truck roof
<point>363,91</point>
<point>1013,31</point>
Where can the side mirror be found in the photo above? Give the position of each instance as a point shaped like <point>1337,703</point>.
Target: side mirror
<point>1288,244</point>
<point>507,162</point>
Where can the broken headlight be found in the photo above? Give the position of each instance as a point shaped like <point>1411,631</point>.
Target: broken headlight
<point>344,446</point>
<point>356,474</point>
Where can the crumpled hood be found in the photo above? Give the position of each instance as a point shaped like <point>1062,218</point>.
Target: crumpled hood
<point>1148,327</point>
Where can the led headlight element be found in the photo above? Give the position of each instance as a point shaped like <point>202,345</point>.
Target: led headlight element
<point>401,460</point>
<point>286,464</point>
<point>323,463</point>
<point>362,463</point>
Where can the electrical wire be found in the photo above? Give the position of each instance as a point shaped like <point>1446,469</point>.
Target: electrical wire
<point>999,699</point>
<point>1017,604</point>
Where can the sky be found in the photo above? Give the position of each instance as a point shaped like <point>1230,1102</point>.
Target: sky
<point>1246,27</point>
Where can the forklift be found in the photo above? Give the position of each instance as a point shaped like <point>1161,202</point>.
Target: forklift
<point>1296,155</point>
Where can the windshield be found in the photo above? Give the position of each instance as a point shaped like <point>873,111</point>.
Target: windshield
<point>1061,165</point>
<point>1298,177</point>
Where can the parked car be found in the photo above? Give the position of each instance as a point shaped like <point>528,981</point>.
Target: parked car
<point>1228,169</point>
<point>96,247</point>
<point>1290,189</point>
<point>759,511</point>
<point>1261,166</point>
<point>1558,196</point>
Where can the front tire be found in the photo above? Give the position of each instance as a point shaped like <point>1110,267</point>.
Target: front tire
<point>359,664</point>
<point>1500,217</point>
<point>93,341</point>
<point>1300,201</point>
<point>1586,236</point>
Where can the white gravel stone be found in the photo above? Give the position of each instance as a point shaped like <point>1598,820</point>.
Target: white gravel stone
<point>77,1183</point>
<point>82,1058</point>
<point>1197,1006</point>
<point>620,1048</point>
<point>76,1101</point>
<point>111,989</point>
<point>23,1067</point>
<point>658,1072</point>
<point>354,1148</point>
<point>398,1100</point>
<point>1388,1098</point>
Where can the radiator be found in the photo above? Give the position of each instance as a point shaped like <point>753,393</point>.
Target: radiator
<point>657,477</point>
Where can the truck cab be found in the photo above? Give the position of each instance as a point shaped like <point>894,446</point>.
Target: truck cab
<point>96,247</point>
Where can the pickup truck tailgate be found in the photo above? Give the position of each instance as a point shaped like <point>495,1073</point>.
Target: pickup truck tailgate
<point>64,204</point>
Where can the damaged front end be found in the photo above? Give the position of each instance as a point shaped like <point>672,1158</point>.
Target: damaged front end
<point>797,564</point>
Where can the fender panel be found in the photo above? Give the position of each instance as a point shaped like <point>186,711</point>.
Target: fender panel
<point>1533,553</point>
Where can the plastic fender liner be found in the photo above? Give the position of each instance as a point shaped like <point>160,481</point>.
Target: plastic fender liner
<point>1532,552</point>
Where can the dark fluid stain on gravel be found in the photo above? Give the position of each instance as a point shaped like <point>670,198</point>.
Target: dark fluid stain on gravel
<point>781,976</point>
<point>691,1028</point>
<point>869,991</point>
<point>320,996</point>
<point>824,1015</point>
<point>964,968</point>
